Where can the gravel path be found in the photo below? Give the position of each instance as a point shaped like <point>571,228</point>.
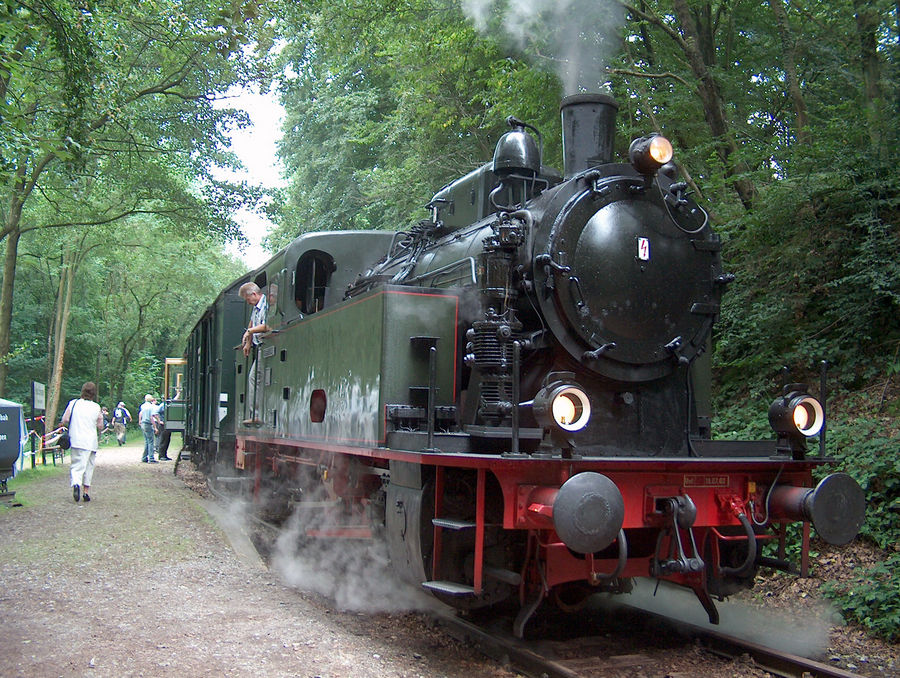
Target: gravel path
<point>143,582</point>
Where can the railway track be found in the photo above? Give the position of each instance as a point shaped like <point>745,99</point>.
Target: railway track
<point>625,641</point>
<point>602,656</point>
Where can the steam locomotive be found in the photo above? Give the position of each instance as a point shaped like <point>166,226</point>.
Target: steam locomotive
<point>514,393</point>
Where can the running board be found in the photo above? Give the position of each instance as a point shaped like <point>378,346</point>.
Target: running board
<point>501,574</point>
<point>453,524</point>
<point>450,524</point>
<point>450,588</point>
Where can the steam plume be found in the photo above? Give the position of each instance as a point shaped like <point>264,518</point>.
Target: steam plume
<point>356,575</point>
<point>577,38</point>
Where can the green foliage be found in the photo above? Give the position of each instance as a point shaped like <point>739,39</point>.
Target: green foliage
<point>138,292</point>
<point>869,451</point>
<point>817,279</point>
<point>143,375</point>
<point>382,112</point>
<point>108,116</point>
<point>131,85</point>
<point>872,597</point>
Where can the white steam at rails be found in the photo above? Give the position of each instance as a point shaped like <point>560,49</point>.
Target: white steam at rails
<point>355,574</point>
<point>577,38</point>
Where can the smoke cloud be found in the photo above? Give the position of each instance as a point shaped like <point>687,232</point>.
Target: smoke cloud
<point>577,39</point>
<point>356,575</point>
<point>766,626</point>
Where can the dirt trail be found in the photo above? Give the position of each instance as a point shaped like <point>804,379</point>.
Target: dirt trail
<point>143,582</point>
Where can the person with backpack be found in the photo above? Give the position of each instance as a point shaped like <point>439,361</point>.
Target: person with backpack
<point>121,417</point>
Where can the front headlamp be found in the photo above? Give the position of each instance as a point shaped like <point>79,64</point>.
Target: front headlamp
<point>562,406</point>
<point>648,154</point>
<point>795,416</point>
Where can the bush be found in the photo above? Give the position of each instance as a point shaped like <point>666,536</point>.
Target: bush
<point>864,449</point>
<point>872,598</point>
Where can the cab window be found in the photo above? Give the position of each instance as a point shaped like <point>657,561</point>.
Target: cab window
<point>314,271</point>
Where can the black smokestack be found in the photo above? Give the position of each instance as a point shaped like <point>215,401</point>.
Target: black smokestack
<point>589,129</point>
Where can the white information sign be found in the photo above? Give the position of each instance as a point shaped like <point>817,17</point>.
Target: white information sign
<point>37,395</point>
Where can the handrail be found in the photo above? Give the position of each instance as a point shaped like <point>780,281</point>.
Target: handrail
<point>444,269</point>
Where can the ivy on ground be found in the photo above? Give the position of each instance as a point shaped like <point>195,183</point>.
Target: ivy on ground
<point>872,597</point>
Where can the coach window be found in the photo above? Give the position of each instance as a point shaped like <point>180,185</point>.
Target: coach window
<point>313,275</point>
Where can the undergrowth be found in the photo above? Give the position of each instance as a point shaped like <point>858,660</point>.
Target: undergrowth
<point>871,597</point>
<point>867,449</point>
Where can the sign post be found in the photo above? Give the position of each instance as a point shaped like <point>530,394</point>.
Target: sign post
<point>37,403</point>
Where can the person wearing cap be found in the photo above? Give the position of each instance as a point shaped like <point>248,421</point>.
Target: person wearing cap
<point>121,417</point>
<point>145,419</point>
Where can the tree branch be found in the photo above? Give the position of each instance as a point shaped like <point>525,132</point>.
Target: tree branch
<point>656,21</point>
<point>109,220</point>
<point>652,76</point>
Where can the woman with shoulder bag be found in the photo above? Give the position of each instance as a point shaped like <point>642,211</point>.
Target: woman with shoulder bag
<point>85,420</point>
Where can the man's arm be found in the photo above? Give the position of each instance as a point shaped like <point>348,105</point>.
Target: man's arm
<point>257,329</point>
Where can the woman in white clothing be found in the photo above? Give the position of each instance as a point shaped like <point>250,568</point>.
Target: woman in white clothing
<point>84,419</point>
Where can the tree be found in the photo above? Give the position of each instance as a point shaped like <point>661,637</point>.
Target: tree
<point>790,46</point>
<point>385,103</point>
<point>91,91</point>
<point>137,290</point>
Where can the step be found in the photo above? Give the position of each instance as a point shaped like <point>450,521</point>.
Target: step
<point>450,588</point>
<point>451,524</point>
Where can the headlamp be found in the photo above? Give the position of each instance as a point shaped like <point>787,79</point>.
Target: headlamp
<point>562,406</point>
<point>795,416</point>
<point>648,154</point>
<point>808,417</point>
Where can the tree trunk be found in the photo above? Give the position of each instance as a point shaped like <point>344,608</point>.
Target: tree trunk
<point>789,48</point>
<point>57,319</point>
<point>53,381</point>
<point>63,305</point>
<point>714,107</point>
<point>6,301</point>
<point>11,231</point>
<point>867,21</point>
